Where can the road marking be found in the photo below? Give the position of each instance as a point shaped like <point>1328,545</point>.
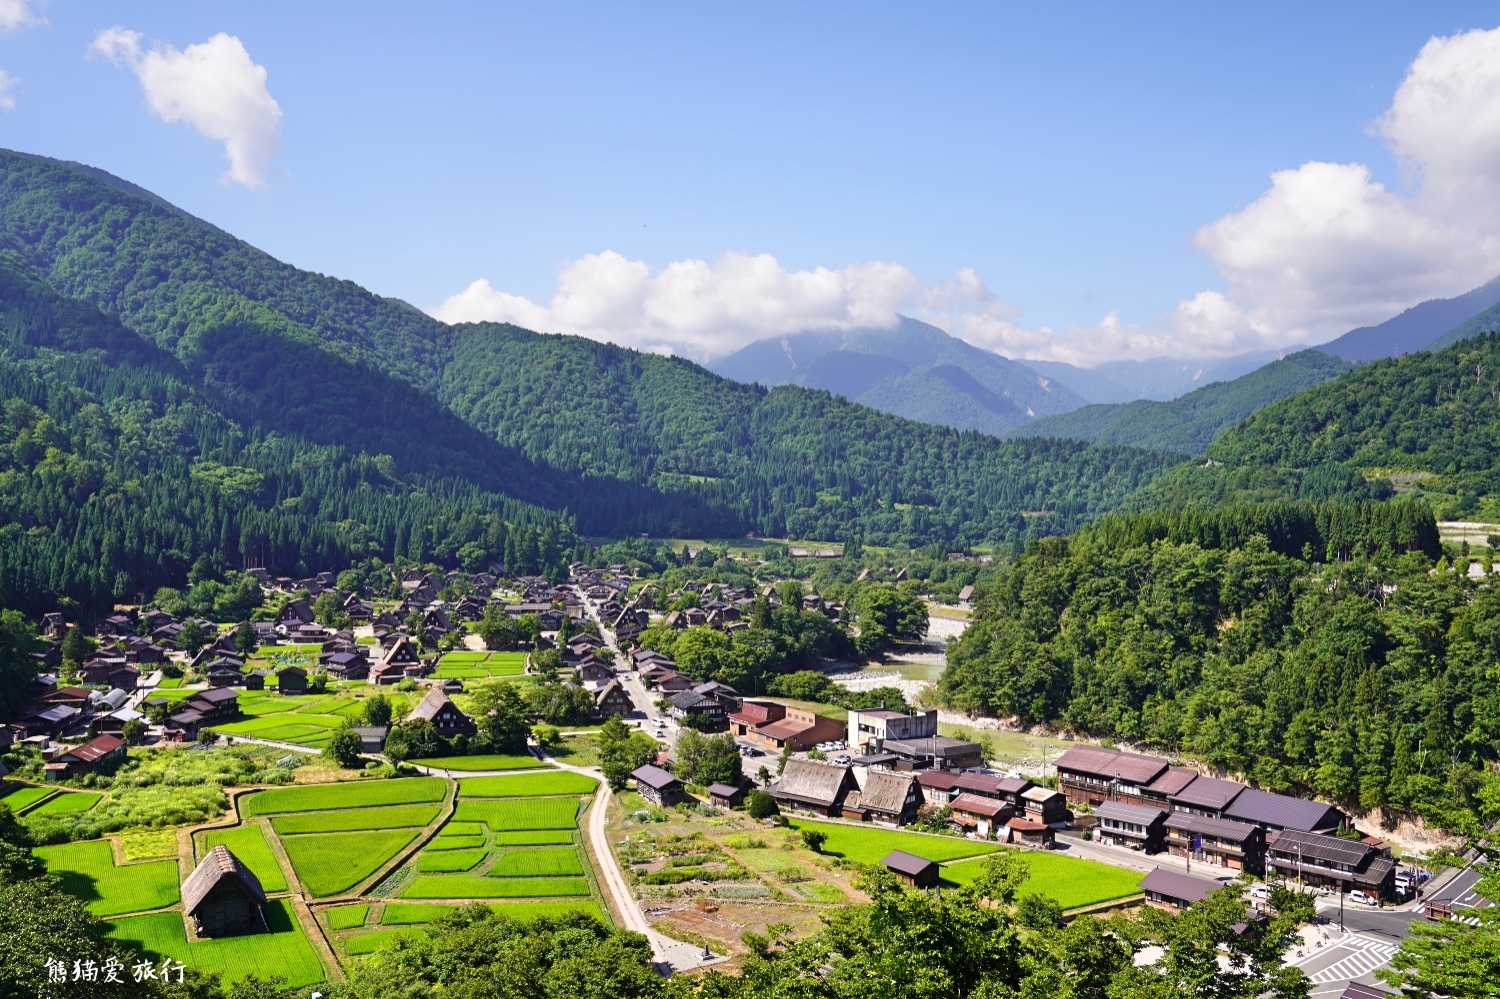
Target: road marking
<point>1365,955</point>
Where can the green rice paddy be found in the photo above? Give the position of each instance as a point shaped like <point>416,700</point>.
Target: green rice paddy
<point>329,863</point>
<point>455,843</point>
<point>479,886</point>
<point>869,845</point>
<point>369,943</point>
<point>534,837</point>
<point>409,913</point>
<point>450,861</point>
<point>521,813</point>
<point>353,794</point>
<point>68,801</point>
<point>485,761</point>
<point>285,951</point>
<point>249,844</point>
<point>479,665</point>
<point>87,870</point>
<point>21,797</point>
<point>547,861</point>
<point>348,917</point>
<point>527,785</point>
<point>388,817</point>
<point>1072,881</point>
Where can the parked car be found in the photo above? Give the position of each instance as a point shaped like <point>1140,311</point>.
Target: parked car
<point>1260,891</point>
<point>842,759</point>
<point>1363,897</point>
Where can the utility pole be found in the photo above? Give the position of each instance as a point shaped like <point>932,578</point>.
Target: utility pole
<point>1341,906</point>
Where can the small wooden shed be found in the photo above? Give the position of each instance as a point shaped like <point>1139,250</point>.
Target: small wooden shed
<point>223,897</point>
<point>658,786</point>
<point>916,871</point>
<point>726,795</point>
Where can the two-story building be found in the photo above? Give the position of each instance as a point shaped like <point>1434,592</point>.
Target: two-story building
<point>1238,846</point>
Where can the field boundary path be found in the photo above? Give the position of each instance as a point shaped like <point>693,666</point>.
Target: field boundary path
<point>668,954</point>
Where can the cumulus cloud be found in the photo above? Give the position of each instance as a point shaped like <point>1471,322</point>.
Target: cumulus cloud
<point>701,309</point>
<point>17,14</point>
<point>1327,247</point>
<point>214,88</point>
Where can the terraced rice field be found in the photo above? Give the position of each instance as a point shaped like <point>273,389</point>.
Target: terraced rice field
<point>348,917</point>
<point>479,886</point>
<point>353,794</point>
<point>547,861</point>
<point>479,665</point>
<point>410,913</point>
<point>869,845</point>
<point>87,870</point>
<point>450,861</point>
<point>369,943</point>
<point>388,817</point>
<point>521,813</point>
<point>1072,881</point>
<point>486,761</point>
<point>329,863</point>
<point>534,837</point>
<point>249,844</point>
<point>285,951</point>
<point>527,785</point>
<point>302,719</point>
<point>68,801</point>
<point>22,797</point>
<point>441,843</point>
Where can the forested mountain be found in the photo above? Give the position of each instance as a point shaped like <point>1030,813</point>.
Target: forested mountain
<point>117,472</point>
<point>1306,647</point>
<point>1421,327</point>
<point>671,448</point>
<point>1187,424</point>
<point>913,370</point>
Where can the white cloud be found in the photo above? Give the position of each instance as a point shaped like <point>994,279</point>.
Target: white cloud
<point>700,309</point>
<point>1327,248</point>
<point>214,88</point>
<point>7,84</point>
<point>18,14</point>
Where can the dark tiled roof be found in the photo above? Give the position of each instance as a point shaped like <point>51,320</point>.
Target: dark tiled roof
<point>906,863</point>
<point>1172,780</point>
<point>654,777</point>
<point>1105,763</point>
<point>1205,826</point>
<point>976,804</point>
<point>1265,808</point>
<point>941,780</point>
<point>723,790</point>
<point>1143,814</point>
<point>1179,886</point>
<point>1316,847</point>
<point>1208,792</point>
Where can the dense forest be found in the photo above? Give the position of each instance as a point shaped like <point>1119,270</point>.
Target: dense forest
<point>1187,424</point>
<point>117,473</point>
<point>625,442</point>
<point>1312,647</point>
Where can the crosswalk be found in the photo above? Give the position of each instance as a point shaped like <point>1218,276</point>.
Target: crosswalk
<point>1364,956</point>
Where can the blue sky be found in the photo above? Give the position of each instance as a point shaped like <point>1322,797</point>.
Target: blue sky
<point>1068,157</point>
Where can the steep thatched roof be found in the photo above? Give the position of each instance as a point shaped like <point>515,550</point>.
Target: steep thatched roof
<point>211,871</point>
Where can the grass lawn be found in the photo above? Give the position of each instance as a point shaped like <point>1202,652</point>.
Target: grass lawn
<point>329,863</point>
<point>527,785</point>
<point>249,844</point>
<point>521,813</point>
<point>870,845</point>
<point>354,794</point>
<point>450,861</point>
<point>348,917</point>
<point>1073,881</point>
<point>88,871</point>
<point>545,862</point>
<point>576,750</point>
<point>479,886</point>
<point>389,817</point>
<point>285,951</point>
<point>22,797</point>
<point>487,761</point>
<point>70,801</point>
<point>408,913</point>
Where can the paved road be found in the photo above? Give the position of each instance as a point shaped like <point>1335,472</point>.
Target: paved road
<point>645,702</point>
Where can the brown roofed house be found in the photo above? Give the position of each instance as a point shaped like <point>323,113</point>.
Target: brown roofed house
<point>918,872</point>
<point>658,786</point>
<point>223,897</point>
<point>813,786</point>
<point>444,714</point>
<point>886,797</point>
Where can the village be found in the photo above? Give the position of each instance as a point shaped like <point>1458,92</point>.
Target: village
<point>812,791</point>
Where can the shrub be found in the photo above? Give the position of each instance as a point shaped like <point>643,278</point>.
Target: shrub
<point>760,805</point>
<point>814,838</point>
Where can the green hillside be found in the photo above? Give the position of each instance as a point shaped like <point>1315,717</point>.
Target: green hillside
<point>622,441</point>
<point>1187,424</point>
<point>1487,321</point>
<point>1425,420</point>
<point>117,472</point>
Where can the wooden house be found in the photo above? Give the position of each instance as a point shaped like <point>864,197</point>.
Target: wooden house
<point>726,795</point>
<point>658,786</point>
<point>612,699</point>
<point>223,897</point>
<point>887,797</point>
<point>919,872</point>
<point>813,786</point>
<point>102,753</point>
<point>1028,832</point>
<point>444,714</point>
<point>291,680</point>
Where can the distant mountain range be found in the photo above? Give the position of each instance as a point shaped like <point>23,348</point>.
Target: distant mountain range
<point>1431,325</point>
<point>912,370</point>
